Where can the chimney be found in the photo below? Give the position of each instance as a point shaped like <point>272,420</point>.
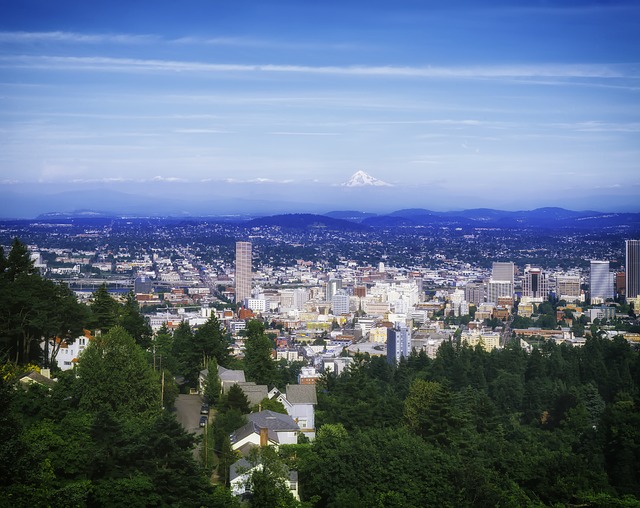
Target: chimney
<point>264,437</point>
<point>46,373</point>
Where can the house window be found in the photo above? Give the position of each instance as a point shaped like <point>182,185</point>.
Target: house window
<point>67,364</point>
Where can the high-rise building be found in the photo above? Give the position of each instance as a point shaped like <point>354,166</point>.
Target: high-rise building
<point>503,271</point>
<point>340,303</point>
<point>333,285</point>
<point>568,287</point>
<point>474,293</point>
<point>632,269</point>
<point>398,343</point>
<point>497,289</point>
<point>600,281</point>
<point>620,284</point>
<point>243,271</point>
<point>501,282</point>
<point>535,284</point>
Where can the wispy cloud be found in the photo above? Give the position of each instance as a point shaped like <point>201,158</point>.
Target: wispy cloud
<point>596,126</point>
<point>202,131</point>
<point>74,37</point>
<point>256,180</point>
<point>116,179</point>
<point>253,42</point>
<point>298,133</point>
<point>167,179</point>
<point>489,71</point>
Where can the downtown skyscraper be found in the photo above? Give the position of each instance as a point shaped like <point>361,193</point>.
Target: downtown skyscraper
<point>632,268</point>
<point>243,271</point>
<point>600,281</point>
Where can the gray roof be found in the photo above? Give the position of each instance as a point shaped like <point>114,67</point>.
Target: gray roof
<point>230,375</point>
<point>302,394</point>
<point>243,465</point>
<point>255,393</point>
<point>36,377</point>
<point>273,421</point>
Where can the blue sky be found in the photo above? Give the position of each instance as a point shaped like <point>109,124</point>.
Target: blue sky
<point>456,104</point>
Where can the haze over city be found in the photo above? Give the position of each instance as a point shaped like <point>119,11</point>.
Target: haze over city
<point>212,108</point>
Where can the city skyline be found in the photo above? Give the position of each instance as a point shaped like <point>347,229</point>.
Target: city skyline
<point>273,106</point>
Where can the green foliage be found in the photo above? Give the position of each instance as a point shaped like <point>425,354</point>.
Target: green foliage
<point>268,404</point>
<point>33,308</point>
<point>258,359</point>
<point>104,310</point>
<point>213,387</point>
<point>558,426</point>
<point>189,351</point>
<point>131,319</point>
<point>116,377</point>
<point>267,480</point>
<point>236,399</point>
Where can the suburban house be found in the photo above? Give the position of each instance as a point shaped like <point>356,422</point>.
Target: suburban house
<point>239,474</point>
<point>42,378</point>
<point>299,401</point>
<point>229,377</point>
<point>255,393</point>
<point>265,428</point>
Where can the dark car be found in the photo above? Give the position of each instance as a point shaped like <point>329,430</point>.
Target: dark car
<point>204,409</point>
<point>203,421</point>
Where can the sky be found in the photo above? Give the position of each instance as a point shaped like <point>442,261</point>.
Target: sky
<point>200,107</point>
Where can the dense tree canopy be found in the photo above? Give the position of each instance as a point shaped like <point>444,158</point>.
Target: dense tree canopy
<point>99,438</point>
<point>556,426</point>
<point>34,309</point>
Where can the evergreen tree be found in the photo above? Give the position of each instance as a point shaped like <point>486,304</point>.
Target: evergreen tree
<point>213,386</point>
<point>104,310</point>
<point>134,322</point>
<point>259,364</point>
<point>115,376</point>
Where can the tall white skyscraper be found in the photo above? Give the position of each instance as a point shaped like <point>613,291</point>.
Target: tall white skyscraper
<point>340,302</point>
<point>333,285</point>
<point>600,280</point>
<point>632,269</point>
<point>243,271</point>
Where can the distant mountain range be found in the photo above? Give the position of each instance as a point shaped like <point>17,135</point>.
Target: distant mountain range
<point>352,220</point>
<point>555,218</point>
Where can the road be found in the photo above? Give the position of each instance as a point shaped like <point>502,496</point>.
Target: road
<point>188,414</point>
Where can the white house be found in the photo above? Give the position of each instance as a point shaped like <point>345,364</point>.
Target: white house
<point>265,428</point>
<point>240,472</point>
<point>299,402</point>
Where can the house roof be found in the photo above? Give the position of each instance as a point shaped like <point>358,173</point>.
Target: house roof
<point>302,394</point>
<point>255,393</point>
<point>273,421</point>
<point>229,375</point>
<point>238,468</point>
<point>36,377</point>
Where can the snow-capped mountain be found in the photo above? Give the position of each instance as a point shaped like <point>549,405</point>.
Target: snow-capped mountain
<point>362,179</point>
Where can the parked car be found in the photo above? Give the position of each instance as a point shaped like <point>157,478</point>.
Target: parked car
<point>204,409</point>
<point>203,421</point>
